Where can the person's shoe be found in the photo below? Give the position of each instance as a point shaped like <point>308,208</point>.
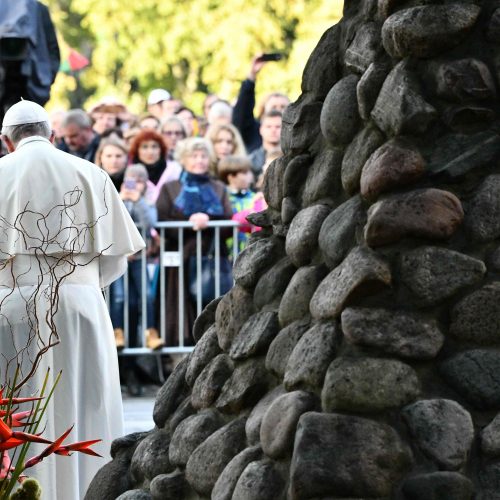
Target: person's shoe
<point>153,339</point>
<point>119,338</point>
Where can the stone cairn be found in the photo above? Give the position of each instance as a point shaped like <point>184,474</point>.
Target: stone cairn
<point>357,355</point>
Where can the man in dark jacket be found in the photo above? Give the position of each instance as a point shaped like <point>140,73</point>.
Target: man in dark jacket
<point>243,111</point>
<point>29,52</point>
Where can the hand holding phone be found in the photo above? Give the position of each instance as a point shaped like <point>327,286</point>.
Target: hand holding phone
<point>271,56</point>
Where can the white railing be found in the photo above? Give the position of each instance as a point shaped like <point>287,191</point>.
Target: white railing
<point>175,259</point>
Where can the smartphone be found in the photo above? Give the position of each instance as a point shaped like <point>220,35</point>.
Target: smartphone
<point>272,56</point>
<point>129,184</point>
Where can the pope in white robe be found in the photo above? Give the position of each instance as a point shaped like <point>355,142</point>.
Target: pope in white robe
<point>64,235</point>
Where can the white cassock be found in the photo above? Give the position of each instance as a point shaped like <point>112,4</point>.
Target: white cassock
<point>60,215</point>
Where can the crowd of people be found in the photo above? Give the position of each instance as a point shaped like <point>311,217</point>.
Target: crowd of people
<point>170,164</point>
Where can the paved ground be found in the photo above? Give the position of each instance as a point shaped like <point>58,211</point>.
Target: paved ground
<point>138,412</point>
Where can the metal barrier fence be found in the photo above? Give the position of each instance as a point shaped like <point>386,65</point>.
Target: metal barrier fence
<point>174,259</point>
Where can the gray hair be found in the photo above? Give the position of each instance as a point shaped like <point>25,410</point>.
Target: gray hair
<point>188,146</point>
<point>76,117</point>
<point>219,109</point>
<point>17,132</point>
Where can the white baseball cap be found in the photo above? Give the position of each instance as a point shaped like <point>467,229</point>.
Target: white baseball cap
<point>25,112</point>
<point>158,95</point>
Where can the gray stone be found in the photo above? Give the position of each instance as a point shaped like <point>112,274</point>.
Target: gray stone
<point>438,486</point>
<point>247,383</point>
<point>392,332</point>
<point>462,79</point>
<point>234,309</point>
<point>364,48</point>
<point>210,382</point>
<point>323,177</point>
<point>476,318</point>
<point>400,107</point>
<point>482,217</point>
<point>282,346</point>
<point>289,209</point>
<point>190,433</point>
<point>311,356</point>
<point>255,335</point>
<point>490,438</point>
<point>493,31</point>
<point>208,461</point>
<point>423,213</point>
<point>206,319</point>
<point>135,495</point>
<point>339,116</point>
<point>150,458</point>
<point>302,237</point>
<point>395,164</point>
<point>337,234</point>
<point>273,283</point>
<point>300,126</point>
<point>254,421</point>
<point>364,385</point>
<point>112,479</point>
<point>363,271</point>
<point>260,481</point>
<point>171,394</point>
<point>369,87</point>
<point>273,182</point>
<point>443,430</point>
<point>356,154</point>
<point>277,430</point>
<point>457,154</point>
<point>475,374</point>
<point>323,60</point>
<point>224,487</point>
<point>126,444</point>
<point>341,455</point>
<point>428,30</point>
<point>489,479</point>
<point>294,304</point>
<point>296,174</point>
<point>434,273</point>
<point>468,118</point>
<point>254,260</point>
<point>205,350</point>
<point>172,486</point>
<point>494,260</point>
<point>184,410</point>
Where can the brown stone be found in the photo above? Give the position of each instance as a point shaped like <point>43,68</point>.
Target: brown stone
<point>428,30</point>
<point>424,213</point>
<point>394,164</point>
<point>362,270</point>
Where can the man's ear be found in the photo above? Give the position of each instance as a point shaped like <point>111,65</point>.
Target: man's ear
<point>52,137</point>
<point>10,145</point>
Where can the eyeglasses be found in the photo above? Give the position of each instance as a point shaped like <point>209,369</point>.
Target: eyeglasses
<point>171,133</point>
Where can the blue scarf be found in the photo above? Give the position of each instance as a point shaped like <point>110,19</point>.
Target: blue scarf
<point>197,195</point>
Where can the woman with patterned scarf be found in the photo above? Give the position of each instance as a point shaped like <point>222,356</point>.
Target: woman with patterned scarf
<point>197,198</point>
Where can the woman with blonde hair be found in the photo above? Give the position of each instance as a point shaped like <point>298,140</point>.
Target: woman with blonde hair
<point>112,157</point>
<point>226,141</point>
<point>198,198</point>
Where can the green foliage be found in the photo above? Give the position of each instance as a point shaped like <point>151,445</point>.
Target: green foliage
<point>189,47</point>
<point>29,490</point>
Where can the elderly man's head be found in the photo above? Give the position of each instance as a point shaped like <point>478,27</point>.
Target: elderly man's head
<point>76,129</point>
<point>25,119</point>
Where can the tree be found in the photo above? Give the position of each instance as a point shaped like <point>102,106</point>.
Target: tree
<point>190,47</point>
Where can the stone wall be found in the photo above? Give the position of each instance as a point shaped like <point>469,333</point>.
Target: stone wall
<point>357,355</point>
